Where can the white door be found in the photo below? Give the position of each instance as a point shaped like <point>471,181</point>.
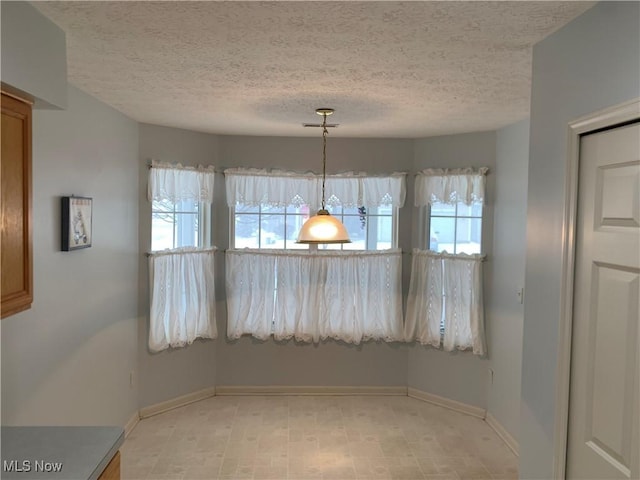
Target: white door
<point>605,353</point>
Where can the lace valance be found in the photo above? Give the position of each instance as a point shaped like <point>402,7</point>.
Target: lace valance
<point>450,186</point>
<point>177,183</point>
<point>281,188</point>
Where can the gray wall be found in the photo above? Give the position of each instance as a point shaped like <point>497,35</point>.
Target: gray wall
<point>590,64</point>
<point>505,313</point>
<point>460,376</point>
<point>173,372</point>
<point>250,362</point>
<point>34,54</point>
<point>67,360</point>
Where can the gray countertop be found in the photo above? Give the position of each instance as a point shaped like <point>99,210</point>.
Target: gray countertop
<point>58,453</point>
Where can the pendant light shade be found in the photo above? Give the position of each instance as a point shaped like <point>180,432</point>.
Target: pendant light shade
<point>322,227</point>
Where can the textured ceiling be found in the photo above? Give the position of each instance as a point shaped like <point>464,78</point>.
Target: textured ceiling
<point>390,69</point>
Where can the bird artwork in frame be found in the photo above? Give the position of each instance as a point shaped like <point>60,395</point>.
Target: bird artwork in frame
<point>76,223</point>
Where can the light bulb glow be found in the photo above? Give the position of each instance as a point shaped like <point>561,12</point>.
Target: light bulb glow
<point>323,230</point>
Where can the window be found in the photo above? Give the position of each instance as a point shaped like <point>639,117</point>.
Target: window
<point>372,228</point>
<point>445,304</point>
<point>455,228</point>
<point>266,226</point>
<point>310,295</point>
<point>269,227</point>
<point>268,208</point>
<point>182,280</point>
<point>179,224</point>
<point>181,199</point>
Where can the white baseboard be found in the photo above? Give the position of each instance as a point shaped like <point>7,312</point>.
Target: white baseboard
<point>131,424</point>
<point>447,403</point>
<point>180,401</point>
<point>308,390</point>
<point>506,437</point>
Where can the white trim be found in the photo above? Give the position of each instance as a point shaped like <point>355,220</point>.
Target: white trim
<point>131,424</point>
<point>506,437</point>
<point>447,403</point>
<point>307,390</point>
<point>205,227</point>
<point>180,401</point>
<point>604,118</point>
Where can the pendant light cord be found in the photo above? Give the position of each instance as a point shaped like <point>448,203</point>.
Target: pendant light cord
<point>324,153</point>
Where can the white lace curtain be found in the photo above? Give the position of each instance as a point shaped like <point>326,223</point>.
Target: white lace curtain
<point>177,183</point>
<point>282,188</point>
<point>182,299</point>
<point>444,305</point>
<point>450,186</point>
<point>344,295</point>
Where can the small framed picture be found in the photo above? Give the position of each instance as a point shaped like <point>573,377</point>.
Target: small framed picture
<point>76,223</point>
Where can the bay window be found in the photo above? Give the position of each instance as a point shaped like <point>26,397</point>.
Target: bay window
<point>350,292</point>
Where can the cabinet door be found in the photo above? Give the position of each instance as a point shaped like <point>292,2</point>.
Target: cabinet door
<point>112,471</point>
<point>15,176</point>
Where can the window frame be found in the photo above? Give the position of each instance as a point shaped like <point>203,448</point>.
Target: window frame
<point>369,242</point>
<point>259,213</point>
<point>204,222</point>
<point>426,231</point>
<point>395,213</point>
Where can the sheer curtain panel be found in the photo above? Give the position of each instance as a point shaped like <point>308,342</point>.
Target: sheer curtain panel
<point>423,319</point>
<point>463,306</point>
<point>182,297</point>
<point>345,295</point>
<point>444,305</point>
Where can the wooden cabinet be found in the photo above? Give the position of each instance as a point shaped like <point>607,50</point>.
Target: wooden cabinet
<point>112,472</point>
<point>15,176</point>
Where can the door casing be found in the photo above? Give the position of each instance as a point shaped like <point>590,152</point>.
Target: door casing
<point>609,117</point>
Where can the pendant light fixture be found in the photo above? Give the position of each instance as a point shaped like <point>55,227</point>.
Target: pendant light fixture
<point>322,227</point>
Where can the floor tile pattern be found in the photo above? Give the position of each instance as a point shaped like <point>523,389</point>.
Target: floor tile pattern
<point>315,438</point>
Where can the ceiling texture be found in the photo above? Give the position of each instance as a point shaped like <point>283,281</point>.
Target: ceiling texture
<point>389,69</point>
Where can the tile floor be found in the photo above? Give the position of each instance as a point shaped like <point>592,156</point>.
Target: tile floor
<point>315,438</point>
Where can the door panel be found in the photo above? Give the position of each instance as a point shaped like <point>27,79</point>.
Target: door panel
<point>605,363</point>
<point>608,413</point>
<point>617,201</point>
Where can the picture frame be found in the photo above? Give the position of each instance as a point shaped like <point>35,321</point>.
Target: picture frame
<point>76,223</point>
